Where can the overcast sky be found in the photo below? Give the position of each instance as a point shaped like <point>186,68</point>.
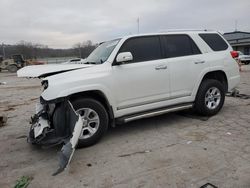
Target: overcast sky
<point>62,23</point>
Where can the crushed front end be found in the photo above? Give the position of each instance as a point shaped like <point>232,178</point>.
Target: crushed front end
<point>56,123</point>
<point>47,128</point>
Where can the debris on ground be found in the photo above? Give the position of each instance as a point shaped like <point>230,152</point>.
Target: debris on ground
<point>9,109</point>
<point>208,185</point>
<point>236,93</point>
<point>138,152</point>
<point>3,120</point>
<point>89,164</point>
<point>228,133</point>
<point>3,83</point>
<point>20,137</point>
<point>23,182</point>
<point>189,142</point>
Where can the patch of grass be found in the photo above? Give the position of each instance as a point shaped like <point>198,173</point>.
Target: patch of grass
<point>23,182</point>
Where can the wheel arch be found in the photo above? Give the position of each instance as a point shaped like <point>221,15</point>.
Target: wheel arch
<point>99,96</point>
<point>217,75</point>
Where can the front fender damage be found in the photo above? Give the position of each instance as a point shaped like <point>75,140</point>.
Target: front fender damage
<point>57,124</point>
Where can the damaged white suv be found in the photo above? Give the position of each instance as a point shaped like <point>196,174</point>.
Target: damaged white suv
<point>130,78</point>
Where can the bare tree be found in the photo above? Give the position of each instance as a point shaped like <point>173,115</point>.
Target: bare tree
<point>36,50</point>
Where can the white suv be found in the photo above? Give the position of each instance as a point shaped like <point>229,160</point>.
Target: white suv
<point>130,78</point>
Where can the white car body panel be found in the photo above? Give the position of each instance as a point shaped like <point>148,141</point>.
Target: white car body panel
<point>183,79</point>
<point>136,91</point>
<point>97,77</point>
<point>34,71</point>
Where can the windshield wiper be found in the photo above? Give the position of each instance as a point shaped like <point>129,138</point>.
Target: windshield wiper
<point>95,63</point>
<point>89,62</point>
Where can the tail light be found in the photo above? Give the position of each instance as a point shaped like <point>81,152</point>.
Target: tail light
<point>234,54</point>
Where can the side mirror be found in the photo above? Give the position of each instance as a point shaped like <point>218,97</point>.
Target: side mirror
<point>124,57</point>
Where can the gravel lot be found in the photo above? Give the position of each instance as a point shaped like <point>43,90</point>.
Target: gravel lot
<point>172,150</point>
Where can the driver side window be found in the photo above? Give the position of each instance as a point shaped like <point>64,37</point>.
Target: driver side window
<point>143,48</point>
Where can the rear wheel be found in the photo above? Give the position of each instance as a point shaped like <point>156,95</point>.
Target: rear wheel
<point>210,97</point>
<point>12,68</point>
<point>96,120</point>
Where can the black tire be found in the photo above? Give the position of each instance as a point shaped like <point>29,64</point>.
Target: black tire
<point>247,62</point>
<point>103,120</point>
<point>12,68</point>
<point>200,104</point>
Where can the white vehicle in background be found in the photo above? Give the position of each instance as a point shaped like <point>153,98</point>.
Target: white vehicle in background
<point>245,59</point>
<point>130,78</point>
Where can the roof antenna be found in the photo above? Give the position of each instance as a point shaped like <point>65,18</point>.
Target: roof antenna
<point>236,25</point>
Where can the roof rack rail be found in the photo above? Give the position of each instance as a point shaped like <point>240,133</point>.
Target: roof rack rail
<point>178,30</point>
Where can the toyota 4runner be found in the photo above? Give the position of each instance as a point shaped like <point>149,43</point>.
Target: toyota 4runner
<point>130,78</point>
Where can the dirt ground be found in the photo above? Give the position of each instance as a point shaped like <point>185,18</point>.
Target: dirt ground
<point>172,150</point>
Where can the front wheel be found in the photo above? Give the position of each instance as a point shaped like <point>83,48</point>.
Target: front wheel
<point>210,97</point>
<point>95,120</point>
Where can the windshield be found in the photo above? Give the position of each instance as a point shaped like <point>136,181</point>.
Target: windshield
<point>102,52</point>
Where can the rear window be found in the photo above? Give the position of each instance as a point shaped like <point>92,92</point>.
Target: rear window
<point>179,45</point>
<point>214,41</point>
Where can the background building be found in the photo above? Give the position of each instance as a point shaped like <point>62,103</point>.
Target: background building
<point>239,40</point>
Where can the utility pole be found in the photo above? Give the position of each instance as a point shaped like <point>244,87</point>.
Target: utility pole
<point>236,25</point>
<point>80,51</point>
<point>3,50</point>
<point>138,25</point>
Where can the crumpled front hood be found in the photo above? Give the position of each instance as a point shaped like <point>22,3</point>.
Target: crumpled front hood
<point>37,71</point>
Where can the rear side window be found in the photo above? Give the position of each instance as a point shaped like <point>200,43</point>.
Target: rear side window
<point>214,41</point>
<point>179,45</point>
<point>143,48</point>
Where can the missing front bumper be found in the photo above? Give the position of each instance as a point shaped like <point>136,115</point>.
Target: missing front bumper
<point>59,125</point>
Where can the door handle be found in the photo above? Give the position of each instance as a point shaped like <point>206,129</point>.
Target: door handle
<point>160,67</point>
<point>199,62</point>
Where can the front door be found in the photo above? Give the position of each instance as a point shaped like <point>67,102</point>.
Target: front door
<point>145,79</point>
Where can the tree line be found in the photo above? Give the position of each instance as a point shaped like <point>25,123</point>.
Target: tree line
<point>32,51</point>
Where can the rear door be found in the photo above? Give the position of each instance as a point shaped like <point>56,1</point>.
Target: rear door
<point>145,79</point>
<point>185,63</point>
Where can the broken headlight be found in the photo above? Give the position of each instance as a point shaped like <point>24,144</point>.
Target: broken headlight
<point>45,84</point>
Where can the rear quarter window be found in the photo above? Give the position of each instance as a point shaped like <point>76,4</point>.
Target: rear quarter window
<point>214,41</point>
